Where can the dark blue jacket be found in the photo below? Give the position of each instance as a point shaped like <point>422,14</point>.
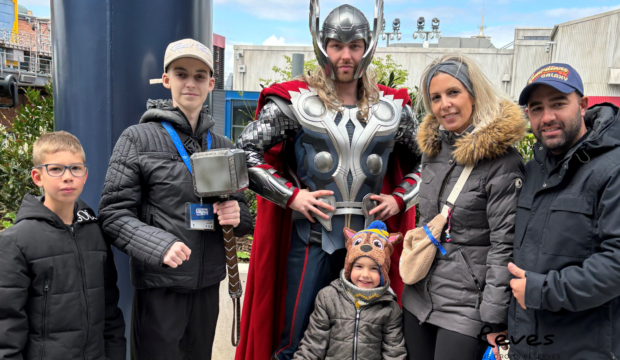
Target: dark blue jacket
<point>567,238</point>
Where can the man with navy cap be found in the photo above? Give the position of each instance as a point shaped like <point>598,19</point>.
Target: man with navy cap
<point>566,271</point>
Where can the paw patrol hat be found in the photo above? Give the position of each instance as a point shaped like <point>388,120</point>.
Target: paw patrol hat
<point>374,242</point>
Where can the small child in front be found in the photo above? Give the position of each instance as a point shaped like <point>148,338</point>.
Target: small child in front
<point>357,316</point>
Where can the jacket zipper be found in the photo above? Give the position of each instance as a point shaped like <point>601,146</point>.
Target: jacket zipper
<point>357,323</point>
<point>202,260</point>
<point>473,277</point>
<point>46,289</point>
<point>81,262</point>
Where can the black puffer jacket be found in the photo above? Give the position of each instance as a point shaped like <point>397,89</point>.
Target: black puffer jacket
<point>58,294</point>
<point>469,285</point>
<point>142,209</point>
<point>567,239</point>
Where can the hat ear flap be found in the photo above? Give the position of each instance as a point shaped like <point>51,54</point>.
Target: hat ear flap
<point>348,233</point>
<point>395,238</point>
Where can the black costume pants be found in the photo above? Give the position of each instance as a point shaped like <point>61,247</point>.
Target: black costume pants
<point>171,325</point>
<point>308,270</point>
<point>430,342</point>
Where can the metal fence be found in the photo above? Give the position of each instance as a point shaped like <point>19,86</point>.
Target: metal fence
<point>25,52</point>
<point>27,41</point>
<point>28,63</point>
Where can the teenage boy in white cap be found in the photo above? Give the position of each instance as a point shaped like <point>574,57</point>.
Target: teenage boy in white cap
<point>175,271</point>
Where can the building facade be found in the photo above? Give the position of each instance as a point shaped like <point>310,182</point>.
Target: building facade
<point>25,51</point>
<point>219,55</point>
<point>591,45</point>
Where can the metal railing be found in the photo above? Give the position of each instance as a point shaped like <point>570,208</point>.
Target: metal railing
<point>25,63</point>
<point>27,41</point>
<point>25,52</point>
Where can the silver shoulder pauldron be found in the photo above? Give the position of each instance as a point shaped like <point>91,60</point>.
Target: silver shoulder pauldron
<point>272,127</point>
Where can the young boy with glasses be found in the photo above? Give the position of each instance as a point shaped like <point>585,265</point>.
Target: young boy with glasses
<point>57,274</point>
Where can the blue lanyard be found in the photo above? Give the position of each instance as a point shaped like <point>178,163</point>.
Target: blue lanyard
<point>178,144</point>
<point>434,241</point>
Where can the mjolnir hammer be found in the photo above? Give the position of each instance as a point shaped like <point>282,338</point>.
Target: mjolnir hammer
<point>220,173</point>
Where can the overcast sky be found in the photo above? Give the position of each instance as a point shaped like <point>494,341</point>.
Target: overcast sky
<point>285,22</point>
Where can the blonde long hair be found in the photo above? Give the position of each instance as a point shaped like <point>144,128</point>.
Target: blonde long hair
<point>488,97</point>
<point>367,90</point>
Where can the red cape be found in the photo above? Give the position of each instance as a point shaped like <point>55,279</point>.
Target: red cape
<point>262,318</point>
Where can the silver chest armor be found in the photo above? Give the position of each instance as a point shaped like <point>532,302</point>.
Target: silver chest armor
<point>349,160</point>
<point>333,151</point>
<point>351,154</point>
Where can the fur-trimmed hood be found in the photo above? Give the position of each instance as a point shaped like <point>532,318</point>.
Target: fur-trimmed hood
<point>487,142</point>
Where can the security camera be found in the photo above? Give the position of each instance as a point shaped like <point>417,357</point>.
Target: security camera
<point>238,55</point>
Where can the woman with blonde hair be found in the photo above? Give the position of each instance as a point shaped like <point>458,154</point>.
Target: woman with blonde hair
<point>465,293</point>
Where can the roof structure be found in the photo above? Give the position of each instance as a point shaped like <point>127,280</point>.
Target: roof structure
<point>577,21</point>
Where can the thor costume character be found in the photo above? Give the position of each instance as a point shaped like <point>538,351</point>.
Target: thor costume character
<point>345,159</point>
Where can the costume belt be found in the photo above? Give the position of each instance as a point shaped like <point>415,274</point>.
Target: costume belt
<point>342,208</point>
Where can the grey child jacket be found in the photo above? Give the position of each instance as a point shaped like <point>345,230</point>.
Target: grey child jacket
<point>337,330</point>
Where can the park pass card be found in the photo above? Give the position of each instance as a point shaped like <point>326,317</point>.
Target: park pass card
<point>199,217</point>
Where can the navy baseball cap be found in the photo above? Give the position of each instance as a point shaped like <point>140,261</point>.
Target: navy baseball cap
<point>559,76</point>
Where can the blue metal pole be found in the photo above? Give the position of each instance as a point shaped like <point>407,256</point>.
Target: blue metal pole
<point>104,53</point>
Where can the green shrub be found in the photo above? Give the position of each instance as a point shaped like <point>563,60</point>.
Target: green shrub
<point>285,74</point>
<point>526,147</point>
<point>389,73</point>
<point>32,121</point>
<point>8,221</point>
<point>243,255</point>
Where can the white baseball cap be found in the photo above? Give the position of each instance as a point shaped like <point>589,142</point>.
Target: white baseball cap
<point>188,48</point>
